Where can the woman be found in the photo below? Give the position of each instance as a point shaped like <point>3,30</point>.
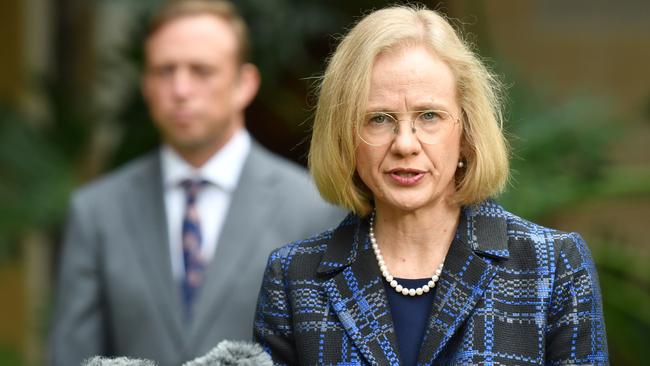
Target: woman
<point>426,269</point>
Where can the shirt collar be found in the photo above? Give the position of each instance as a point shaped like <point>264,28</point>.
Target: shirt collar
<point>222,169</point>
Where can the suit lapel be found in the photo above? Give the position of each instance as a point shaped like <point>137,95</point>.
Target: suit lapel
<point>461,285</point>
<point>356,293</point>
<point>248,208</point>
<point>481,232</point>
<point>145,217</point>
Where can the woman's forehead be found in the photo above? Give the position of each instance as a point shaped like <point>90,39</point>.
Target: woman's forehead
<point>411,78</point>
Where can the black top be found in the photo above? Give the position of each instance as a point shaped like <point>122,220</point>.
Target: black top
<point>410,315</point>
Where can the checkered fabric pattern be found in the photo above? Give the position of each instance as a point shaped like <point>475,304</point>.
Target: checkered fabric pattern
<point>511,293</point>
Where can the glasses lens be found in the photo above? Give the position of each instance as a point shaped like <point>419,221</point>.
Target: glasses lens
<point>430,127</point>
<point>377,128</point>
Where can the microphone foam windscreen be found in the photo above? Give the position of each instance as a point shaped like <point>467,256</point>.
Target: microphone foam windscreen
<point>230,353</point>
<point>120,361</point>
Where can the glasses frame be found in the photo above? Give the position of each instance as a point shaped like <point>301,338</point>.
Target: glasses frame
<point>394,117</point>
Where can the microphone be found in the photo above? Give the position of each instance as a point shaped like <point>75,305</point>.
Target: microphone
<point>226,353</point>
<point>234,353</point>
<point>120,361</point>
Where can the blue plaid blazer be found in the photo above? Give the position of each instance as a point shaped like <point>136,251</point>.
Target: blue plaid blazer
<point>511,293</point>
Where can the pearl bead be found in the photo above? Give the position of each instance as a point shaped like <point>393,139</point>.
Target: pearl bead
<point>386,274</point>
<point>412,292</point>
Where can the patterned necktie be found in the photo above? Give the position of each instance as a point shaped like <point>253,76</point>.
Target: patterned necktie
<point>192,240</point>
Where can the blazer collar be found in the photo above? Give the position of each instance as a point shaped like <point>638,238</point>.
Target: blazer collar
<point>482,227</point>
<point>357,294</point>
<point>340,252</point>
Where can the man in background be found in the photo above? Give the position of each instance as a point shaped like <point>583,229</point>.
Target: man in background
<point>163,258</point>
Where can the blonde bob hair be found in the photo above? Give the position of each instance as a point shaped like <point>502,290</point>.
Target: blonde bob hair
<point>343,94</point>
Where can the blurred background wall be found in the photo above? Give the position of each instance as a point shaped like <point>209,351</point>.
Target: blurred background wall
<point>578,120</point>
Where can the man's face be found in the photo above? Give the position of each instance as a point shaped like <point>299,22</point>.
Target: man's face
<point>195,86</point>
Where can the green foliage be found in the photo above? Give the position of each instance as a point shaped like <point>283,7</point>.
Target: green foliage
<point>35,178</point>
<point>625,284</point>
<point>559,152</point>
<point>37,166</point>
<point>9,356</point>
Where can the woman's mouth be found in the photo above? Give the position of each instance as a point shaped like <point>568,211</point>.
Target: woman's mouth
<point>406,177</point>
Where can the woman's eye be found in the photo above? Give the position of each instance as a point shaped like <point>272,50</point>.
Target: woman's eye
<point>429,116</point>
<point>378,119</point>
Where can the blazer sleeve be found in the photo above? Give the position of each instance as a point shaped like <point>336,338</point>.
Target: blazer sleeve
<point>273,327</point>
<point>575,331</point>
<point>78,325</point>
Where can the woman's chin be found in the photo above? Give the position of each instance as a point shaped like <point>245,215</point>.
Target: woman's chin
<point>412,202</point>
<point>405,204</point>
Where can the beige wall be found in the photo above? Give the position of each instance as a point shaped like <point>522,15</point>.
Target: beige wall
<point>578,46</point>
<point>12,307</point>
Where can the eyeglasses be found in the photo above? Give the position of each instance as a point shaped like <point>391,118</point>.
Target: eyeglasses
<point>429,126</point>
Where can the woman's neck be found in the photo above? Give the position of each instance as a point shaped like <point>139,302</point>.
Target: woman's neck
<point>415,243</point>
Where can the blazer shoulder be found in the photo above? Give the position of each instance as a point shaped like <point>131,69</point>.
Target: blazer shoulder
<point>279,167</point>
<point>294,193</point>
<point>114,183</point>
<point>532,240</point>
<point>316,244</point>
<point>302,258</point>
<point>519,227</point>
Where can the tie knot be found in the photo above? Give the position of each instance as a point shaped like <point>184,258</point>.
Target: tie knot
<point>193,186</point>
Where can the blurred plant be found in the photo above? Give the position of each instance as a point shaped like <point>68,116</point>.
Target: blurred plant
<point>38,167</point>
<point>559,151</point>
<point>625,283</point>
<point>9,356</point>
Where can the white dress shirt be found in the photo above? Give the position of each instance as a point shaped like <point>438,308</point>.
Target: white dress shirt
<point>222,173</point>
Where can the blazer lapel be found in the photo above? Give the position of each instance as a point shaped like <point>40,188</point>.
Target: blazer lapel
<point>466,275</point>
<point>145,217</point>
<point>356,293</point>
<point>248,207</point>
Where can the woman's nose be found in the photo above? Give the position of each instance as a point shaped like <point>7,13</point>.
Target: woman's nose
<point>406,141</point>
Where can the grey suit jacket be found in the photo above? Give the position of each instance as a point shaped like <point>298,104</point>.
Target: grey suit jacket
<point>116,294</point>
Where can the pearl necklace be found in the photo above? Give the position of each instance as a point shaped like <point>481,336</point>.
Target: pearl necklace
<point>390,279</point>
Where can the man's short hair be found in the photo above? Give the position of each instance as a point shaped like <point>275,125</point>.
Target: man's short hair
<point>222,9</point>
